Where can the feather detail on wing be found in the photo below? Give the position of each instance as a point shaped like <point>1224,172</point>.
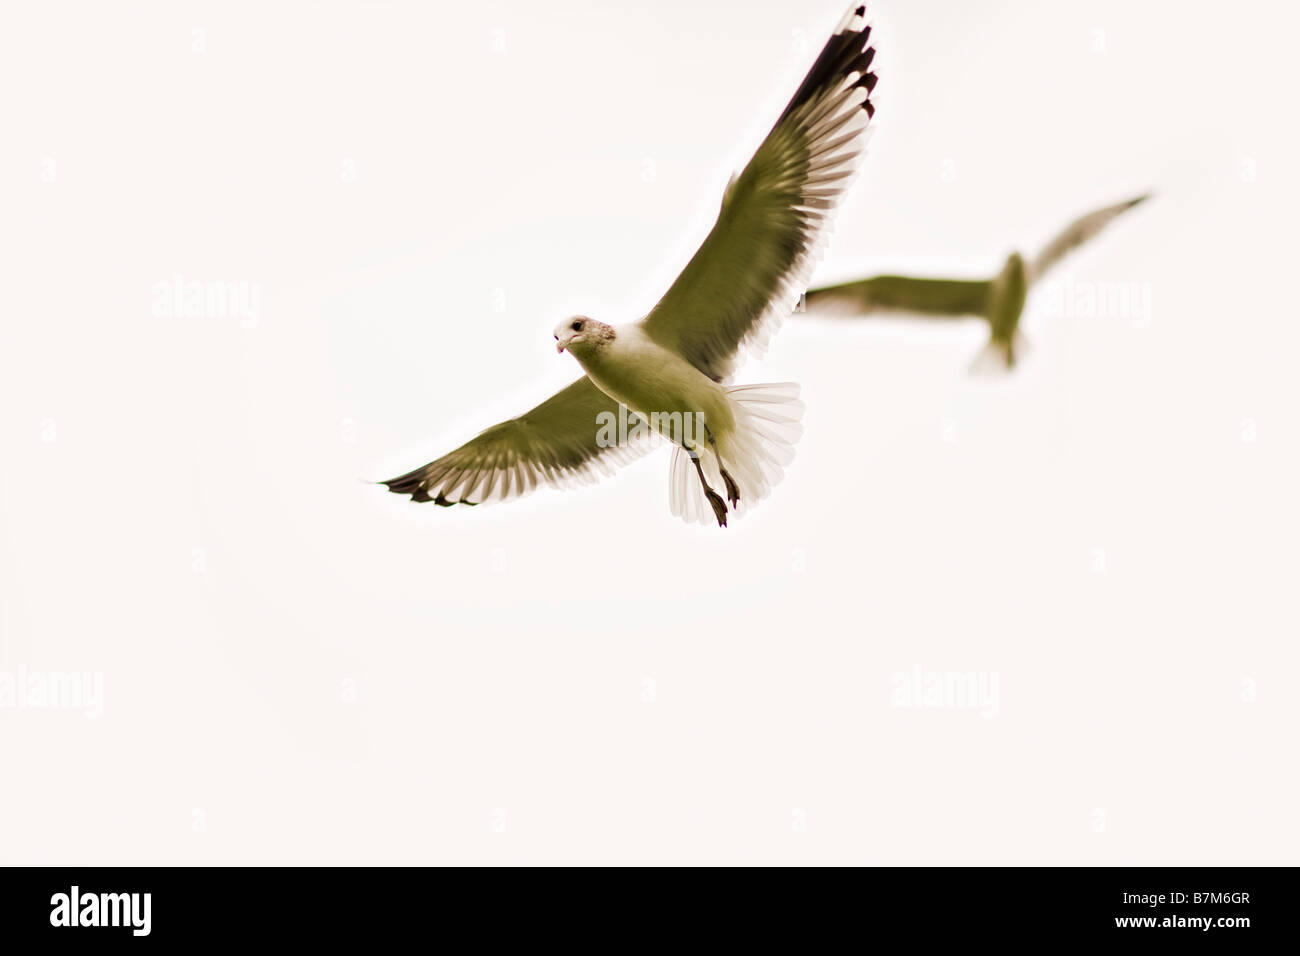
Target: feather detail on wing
<point>775,216</point>
<point>560,442</point>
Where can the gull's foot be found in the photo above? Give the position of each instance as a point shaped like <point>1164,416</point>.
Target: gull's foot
<point>719,506</point>
<point>733,491</point>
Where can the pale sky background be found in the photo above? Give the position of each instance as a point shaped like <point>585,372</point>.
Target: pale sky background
<point>299,667</point>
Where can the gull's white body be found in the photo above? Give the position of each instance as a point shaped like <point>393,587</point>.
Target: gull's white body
<point>750,430</point>
<point>640,373</point>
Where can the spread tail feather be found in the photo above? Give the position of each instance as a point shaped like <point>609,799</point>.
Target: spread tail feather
<point>755,452</point>
<point>999,356</point>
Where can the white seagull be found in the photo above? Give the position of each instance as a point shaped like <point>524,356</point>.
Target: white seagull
<point>666,374</point>
<point>999,300</point>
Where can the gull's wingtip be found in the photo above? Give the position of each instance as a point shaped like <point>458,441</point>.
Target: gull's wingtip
<point>413,485</point>
<point>409,484</point>
<point>854,20</point>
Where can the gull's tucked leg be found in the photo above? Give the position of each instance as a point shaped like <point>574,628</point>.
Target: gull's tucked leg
<point>715,500</point>
<point>733,490</point>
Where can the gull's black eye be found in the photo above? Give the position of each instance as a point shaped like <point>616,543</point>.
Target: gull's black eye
<point>577,326</point>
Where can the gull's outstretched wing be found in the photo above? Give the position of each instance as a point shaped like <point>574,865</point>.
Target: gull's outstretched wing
<point>750,271</point>
<point>1076,234</point>
<point>555,443</point>
<point>936,298</point>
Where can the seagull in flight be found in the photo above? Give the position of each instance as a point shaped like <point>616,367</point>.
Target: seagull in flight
<point>669,373</point>
<point>999,300</point>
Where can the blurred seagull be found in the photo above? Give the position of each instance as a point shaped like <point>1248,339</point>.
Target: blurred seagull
<point>668,369</point>
<point>999,300</point>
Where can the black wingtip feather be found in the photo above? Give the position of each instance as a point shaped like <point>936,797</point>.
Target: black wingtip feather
<point>844,53</point>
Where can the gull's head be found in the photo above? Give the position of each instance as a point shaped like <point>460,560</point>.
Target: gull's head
<point>582,335</point>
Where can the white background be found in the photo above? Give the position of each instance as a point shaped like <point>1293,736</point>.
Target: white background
<point>300,667</point>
